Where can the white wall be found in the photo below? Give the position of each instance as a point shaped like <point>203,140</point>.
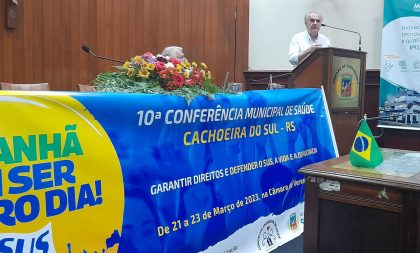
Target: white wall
<point>272,23</point>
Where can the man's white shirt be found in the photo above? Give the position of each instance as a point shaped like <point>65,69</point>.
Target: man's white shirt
<point>302,41</point>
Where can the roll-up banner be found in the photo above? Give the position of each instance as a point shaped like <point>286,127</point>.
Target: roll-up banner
<point>399,102</point>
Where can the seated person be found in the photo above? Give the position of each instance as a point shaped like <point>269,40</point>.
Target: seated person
<point>174,52</point>
<point>304,43</point>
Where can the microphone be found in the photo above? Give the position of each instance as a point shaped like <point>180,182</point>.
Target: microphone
<point>341,29</point>
<point>87,50</point>
<point>409,105</point>
<point>225,82</point>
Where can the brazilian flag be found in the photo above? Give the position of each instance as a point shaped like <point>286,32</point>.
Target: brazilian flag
<point>365,151</point>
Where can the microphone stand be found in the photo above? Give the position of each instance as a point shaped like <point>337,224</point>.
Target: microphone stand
<point>87,50</point>
<point>360,36</point>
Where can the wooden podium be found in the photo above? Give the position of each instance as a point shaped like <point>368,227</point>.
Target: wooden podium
<point>342,74</point>
<point>362,210</point>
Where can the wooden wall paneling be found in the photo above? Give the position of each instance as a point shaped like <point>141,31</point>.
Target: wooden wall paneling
<point>202,19</point>
<point>225,30</point>
<point>91,22</point>
<point>28,31</point>
<point>47,20</point>
<point>201,22</point>
<point>13,39</point>
<point>229,38</point>
<point>100,34</point>
<point>181,10</point>
<point>2,31</point>
<point>241,39</point>
<point>7,55</point>
<point>116,31</point>
<point>46,46</point>
<point>130,36</point>
<point>149,33</point>
<point>208,33</point>
<point>106,27</point>
<point>215,29</point>
<point>124,54</point>
<point>37,47</point>
<point>195,31</point>
<point>172,34</point>
<point>160,23</point>
<point>66,46</point>
<point>80,35</point>
<point>220,58</point>
<point>56,41</point>
<point>18,48</point>
<point>188,29</point>
<point>139,20</point>
<point>76,10</point>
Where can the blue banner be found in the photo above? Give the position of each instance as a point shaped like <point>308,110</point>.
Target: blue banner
<point>106,172</point>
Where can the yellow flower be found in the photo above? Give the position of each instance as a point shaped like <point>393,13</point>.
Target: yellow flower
<point>151,66</point>
<point>126,65</point>
<point>186,64</point>
<point>130,72</point>
<point>208,75</point>
<point>187,74</point>
<point>194,64</point>
<point>203,65</point>
<point>144,73</point>
<point>179,68</point>
<point>137,59</point>
<point>203,73</point>
<point>145,65</point>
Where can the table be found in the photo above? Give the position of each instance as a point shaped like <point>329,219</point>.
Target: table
<point>350,209</point>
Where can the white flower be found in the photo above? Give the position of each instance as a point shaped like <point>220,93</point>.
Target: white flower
<point>169,65</point>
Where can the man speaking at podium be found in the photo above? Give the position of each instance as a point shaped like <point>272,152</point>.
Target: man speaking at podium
<point>304,43</point>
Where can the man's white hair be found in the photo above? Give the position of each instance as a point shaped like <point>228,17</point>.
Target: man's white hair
<point>172,51</point>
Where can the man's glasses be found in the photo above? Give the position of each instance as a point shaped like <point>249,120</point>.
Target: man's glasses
<point>313,20</point>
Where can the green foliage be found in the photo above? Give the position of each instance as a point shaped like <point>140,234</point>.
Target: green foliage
<point>120,82</point>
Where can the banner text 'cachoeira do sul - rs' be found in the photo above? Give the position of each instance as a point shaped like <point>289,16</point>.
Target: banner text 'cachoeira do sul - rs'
<point>127,173</point>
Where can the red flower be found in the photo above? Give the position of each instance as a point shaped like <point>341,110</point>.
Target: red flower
<point>189,82</point>
<point>196,77</point>
<point>174,61</point>
<point>177,82</point>
<point>178,78</point>
<point>159,66</point>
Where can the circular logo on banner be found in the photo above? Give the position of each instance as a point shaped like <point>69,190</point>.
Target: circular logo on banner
<point>61,184</point>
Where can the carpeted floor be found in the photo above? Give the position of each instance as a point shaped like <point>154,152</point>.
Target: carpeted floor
<point>294,246</point>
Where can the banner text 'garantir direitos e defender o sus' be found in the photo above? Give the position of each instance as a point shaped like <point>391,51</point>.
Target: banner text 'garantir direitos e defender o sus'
<point>127,173</point>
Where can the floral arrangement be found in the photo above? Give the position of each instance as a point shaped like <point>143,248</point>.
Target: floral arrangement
<point>158,74</point>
